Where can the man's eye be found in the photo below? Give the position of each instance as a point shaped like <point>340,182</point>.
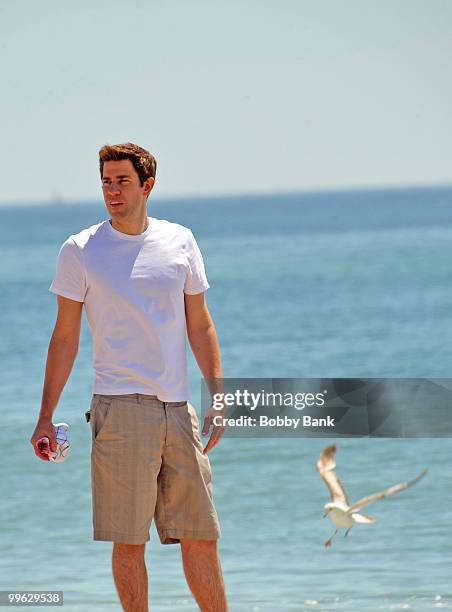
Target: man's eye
<point>123,181</point>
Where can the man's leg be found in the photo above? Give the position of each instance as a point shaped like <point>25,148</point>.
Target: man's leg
<point>204,576</point>
<point>130,575</point>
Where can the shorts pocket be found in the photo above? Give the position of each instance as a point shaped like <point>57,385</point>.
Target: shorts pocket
<point>194,416</point>
<point>194,423</point>
<point>99,412</point>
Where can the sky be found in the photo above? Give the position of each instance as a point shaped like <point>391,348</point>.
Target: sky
<point>230,96</point>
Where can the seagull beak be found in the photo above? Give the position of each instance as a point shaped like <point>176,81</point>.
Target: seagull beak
<point>325,514</point>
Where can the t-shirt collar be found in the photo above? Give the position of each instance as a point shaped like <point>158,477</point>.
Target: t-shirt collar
<point>135,237</point>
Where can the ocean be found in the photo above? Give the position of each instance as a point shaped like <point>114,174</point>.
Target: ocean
<point>346,284</point>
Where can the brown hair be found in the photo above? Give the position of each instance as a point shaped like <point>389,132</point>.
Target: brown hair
<point>144,162</point>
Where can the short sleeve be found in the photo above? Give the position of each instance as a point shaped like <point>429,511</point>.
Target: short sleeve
<point>70,277</point>
<point>195,280</point>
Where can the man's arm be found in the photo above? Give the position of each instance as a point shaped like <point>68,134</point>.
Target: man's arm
<point>61,355</point>
<point>204,344</point>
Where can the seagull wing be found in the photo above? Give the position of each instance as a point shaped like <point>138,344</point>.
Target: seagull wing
<point>325,467</point>
<point>386,493</point>
<point>363,518</point>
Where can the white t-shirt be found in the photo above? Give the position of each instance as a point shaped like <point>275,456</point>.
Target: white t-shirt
<point>133,289</point>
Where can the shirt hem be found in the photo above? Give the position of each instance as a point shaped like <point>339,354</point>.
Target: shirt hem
<point>197,290</point>
<point>66,294</point>
<point>161,396</point>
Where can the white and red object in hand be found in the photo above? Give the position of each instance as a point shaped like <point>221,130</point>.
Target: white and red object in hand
<point>63,444</point>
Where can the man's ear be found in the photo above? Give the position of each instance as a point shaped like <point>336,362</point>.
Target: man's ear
<point>148,185</point>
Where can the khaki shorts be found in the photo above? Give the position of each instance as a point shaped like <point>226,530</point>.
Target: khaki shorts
<point>147,462</point>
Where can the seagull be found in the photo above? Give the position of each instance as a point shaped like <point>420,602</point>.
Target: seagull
<point>341,513</point>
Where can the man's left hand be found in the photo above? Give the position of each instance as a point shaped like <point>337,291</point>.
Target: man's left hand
<point>218,426</point>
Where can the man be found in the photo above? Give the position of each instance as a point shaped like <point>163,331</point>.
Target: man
<point>142,282</point>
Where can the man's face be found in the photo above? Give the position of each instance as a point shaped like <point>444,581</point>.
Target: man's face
<point>124,196</point>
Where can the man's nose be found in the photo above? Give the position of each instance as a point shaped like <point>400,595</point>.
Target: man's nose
<point>113,188</point>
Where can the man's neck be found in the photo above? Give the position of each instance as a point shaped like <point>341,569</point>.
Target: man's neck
<point>131,228</point>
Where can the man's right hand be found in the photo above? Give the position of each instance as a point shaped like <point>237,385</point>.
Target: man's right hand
<point>44,428</point>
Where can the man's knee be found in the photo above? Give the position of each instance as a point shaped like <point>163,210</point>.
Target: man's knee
<point>199,546</point>
<point>128,550</point>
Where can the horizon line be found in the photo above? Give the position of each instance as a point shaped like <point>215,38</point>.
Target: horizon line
<point>57,200</point>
